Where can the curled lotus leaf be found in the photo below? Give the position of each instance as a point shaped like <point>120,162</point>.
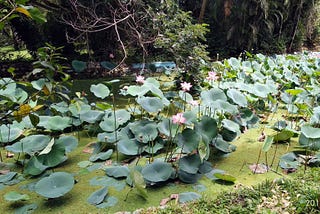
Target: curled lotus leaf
<point>157,171</point>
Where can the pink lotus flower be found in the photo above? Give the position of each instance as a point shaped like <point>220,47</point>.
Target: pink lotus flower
<point>194,103</point>
<point>140,79</point>
<point>178,119</point>
<point>185,86</point>
<point>212,76</point>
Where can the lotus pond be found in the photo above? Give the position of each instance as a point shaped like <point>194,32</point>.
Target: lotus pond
<point>253,119</point>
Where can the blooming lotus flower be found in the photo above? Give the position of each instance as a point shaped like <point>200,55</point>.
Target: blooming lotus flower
<point>185,86</point>
<point>140,79</point>
<point>178,119</point>
<point>212,76</point>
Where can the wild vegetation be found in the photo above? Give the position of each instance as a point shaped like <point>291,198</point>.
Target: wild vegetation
<point>176,123</point>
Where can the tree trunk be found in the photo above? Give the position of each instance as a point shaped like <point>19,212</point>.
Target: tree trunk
<point>203,9</point>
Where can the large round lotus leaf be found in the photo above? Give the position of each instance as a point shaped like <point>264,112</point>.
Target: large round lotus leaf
<point>185,96</point>
<point>191,116</point>
<point>223,145</point>
<point>289,161</point>
<point>283,135</point>
<point>188,140</point>
<point>212,95</point>
<point>58,123</point>
<point>78,108</point>
<point>234,63</point>
<point>310,132</point>
<point>190,164</point>
<point>310,143</point>
<point>230,125</point>
<point>55,185</point>
<point>135,90</point>
<point>237,97</point>
<point>150,104</point>
<point>26,209</point>
<point>15,196</point>
<point>91,116</point>
<point>188,197</point>
<point>69,142</point>
<point>144,131</point>
<point>260,90</point>
<point>101,156</point>
<point>152,81</point>
<point>98,196</point>
<point>188,177</point>
<point>167,128</point>
<point>129,147</point>
<point>205,167</point>
<point>30,144</point>
<point>100,90</point>
<point>34,167</point>
<point>9,133</point>
<point>117,171</point>
<point>157,171</point>
<point>207,127</point>
<point>54,157</point>
<point>38,84</point>
<point>61,107</point>
<point>112,121</point>
<point>7,177</point>
<point>224,106</point>
<point>211,174</point>
<point>108,65</point>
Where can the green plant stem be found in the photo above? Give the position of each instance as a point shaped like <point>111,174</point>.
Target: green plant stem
<point>274,155</point>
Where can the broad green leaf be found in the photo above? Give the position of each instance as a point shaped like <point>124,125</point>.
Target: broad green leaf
<point>289,161</point>
<point>34,167</point>
<point>151,104</point>
<point>225,177</point>
<point>144,131</point>
<point>78,66</point>
<point>15,196</point>
<point>70,143</point>
<point>237,97</point>
<point>9,133</point>
<point>283,135</point>
<point>129,147</point>
<point>190,163</point>
<point>26,209</point>
<point>310,132</point>
<point>188,178</point>
<point>30,144</point>
<point>109,201</point>
<point>7,177</point>
<point>188,140</point>
<point>55,157</point>
<point>101,156</point>
<point>58,123</point>
<point>117,171</point>
<point>207,127</point>
<point>157,171</point>
<point>55,185</point>
<point>212,95</point>
<point>98,196</point>
<point>188,197</point>
<point>100,90</point>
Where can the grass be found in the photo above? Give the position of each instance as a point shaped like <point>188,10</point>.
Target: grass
<point>299,194</point>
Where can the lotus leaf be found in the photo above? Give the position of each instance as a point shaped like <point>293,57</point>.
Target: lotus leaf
<point>157,171</point>
<point>129,147</point>
<point>138,182</point>
<point>310,132</point>
<point>224,106</point>
<point>9,133</point>
<point>289,161</point>
<point>101,156</point>
<point>55,185</point>
<point>211,174</point>
<point>190,164</point>
<point>69,142</point>
<point>225,177</point>
<point>15,196</point>
<point>108,65</point>
<point>7,177</point>
<point>109,202</point>
<point>54,157</point>
<point>267,143</point>
<point>207,127</point>
<point>78,108</point>
<point>91,116</point>
<point>309,143</point>
<point>153,148</point>
<point>212,95</point>
<point>112,121</point>
<point>237,97</point>
<point>223,145</point>
<point>118,171</point>
<point>34,167</point>
<point>98,196</point>
<point>188,197</point>
<point>205,167</point>
<point>283,135</point>
<point>30,144</point>
<point>107,137</point>
<point>188,178</point>
<point>58,123</point>
<point>260,90</point>
<point>100,90</point>
<point>150,104</point>
<point>144,131</point>
<point>135,90</point>
<point>185,96</point>
<point>188,140</point>
<point>204,150</point>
